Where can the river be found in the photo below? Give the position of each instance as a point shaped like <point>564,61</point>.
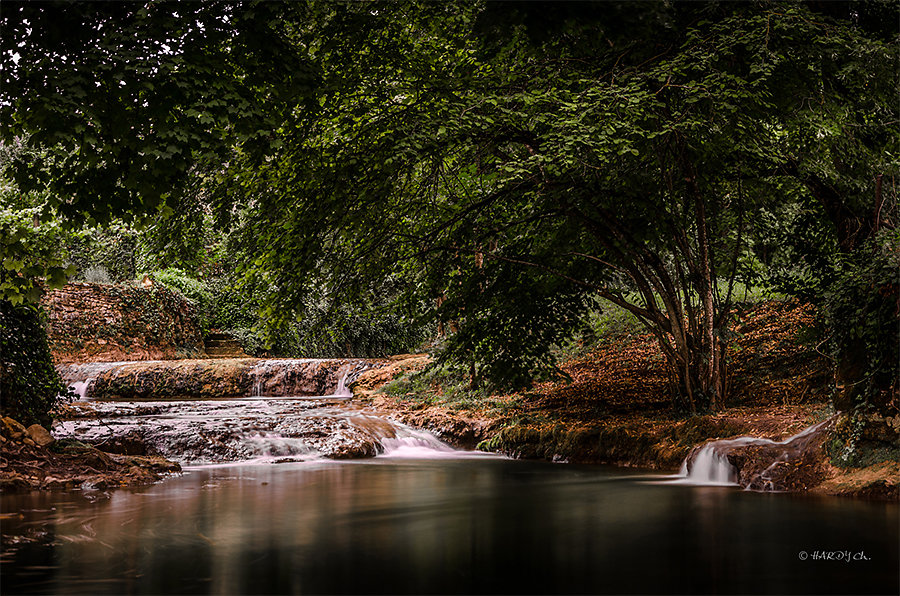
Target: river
<point>263,506</point>
<point>457,524</point>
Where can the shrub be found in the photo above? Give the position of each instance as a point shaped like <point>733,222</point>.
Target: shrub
<point>29,383</point>
<point>192,289</point>
<point>861,309</point>
<point>96,274</point>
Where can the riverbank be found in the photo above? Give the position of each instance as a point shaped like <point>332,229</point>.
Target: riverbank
<point>31,459</point>
<point>616,410</point>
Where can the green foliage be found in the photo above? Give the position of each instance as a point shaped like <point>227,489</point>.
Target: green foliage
<point>194,290</point>
<point>366,333</point>
<point>863,311</point>
<point>29,383</point>
<point>443,384</point>
<point>378,167</point>
<point>30,249</point>
<point>125,100</point>
<point>112,251</point>
<point>844,441</point>
<point>603,323</point>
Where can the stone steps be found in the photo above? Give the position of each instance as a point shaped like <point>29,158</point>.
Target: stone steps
<point>222,345</point>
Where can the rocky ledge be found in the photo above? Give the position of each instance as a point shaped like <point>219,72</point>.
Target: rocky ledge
<point>214,378</point>
<point>31,459</point>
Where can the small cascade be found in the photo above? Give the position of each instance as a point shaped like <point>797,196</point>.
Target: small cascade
<point>342,390</point>
<point>347,375</point>
<point>80,377</point>
<point>709,465</point>
<point>246,430</point>
<point>415,444</point>
<point>305,377</point>
<point>215,378</point>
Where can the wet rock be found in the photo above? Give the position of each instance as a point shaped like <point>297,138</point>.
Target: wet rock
<point>355,450</point>
<point>12,429</point>
<point>218,378</point>
<point>797,464</point>
<point>40,435</point>
<point>71,464</point>
<point>131,443</point>
<point>154,463</point>
<point>202,432</point>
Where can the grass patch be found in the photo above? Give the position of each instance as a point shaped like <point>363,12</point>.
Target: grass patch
<point>449,387</point>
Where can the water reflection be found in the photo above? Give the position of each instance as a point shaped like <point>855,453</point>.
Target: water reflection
<point>469,526</point>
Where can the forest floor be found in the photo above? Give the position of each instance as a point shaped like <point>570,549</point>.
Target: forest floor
<point>616,407</point>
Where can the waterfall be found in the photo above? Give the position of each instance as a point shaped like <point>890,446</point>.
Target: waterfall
<point>80,377</point>
<point>342,390</point>
<point>215,378</point>
<point>709,465</point>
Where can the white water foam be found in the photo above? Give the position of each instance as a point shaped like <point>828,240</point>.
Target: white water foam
<point>80,388</point>
<point>419,444</point>
<point>79,377</point>
<point>342,390</point>
<point>709,465</point>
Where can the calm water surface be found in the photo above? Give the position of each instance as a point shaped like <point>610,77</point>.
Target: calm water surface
<point>474,525</point>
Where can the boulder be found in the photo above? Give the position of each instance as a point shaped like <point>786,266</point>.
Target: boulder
<point>12,429</point>
<point>40,435</point>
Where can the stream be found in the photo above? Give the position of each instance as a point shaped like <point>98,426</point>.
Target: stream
<point>308,494</point>
<point>449,525</point>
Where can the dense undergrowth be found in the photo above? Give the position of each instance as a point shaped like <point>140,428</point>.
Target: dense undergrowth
<point>29,384</point>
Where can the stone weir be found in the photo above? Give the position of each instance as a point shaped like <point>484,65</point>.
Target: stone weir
<point>214,378</point>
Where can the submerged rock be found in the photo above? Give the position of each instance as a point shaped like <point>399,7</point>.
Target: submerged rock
<point>209,432</point>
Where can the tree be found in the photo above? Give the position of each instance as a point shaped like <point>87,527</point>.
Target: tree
<point>126,100</point>
<point>512,177</point>
<point>29,384</point>
<point>498,166</point>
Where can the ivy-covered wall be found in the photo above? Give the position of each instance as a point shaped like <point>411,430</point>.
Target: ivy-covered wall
<point>104,322</point>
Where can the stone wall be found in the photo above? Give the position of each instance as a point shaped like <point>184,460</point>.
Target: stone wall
<point>107,323</point>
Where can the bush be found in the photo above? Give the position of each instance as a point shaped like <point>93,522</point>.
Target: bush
<point>29,383</point>
<point>95,274</point>
<point>861,309</point>
<point>195,291</point>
